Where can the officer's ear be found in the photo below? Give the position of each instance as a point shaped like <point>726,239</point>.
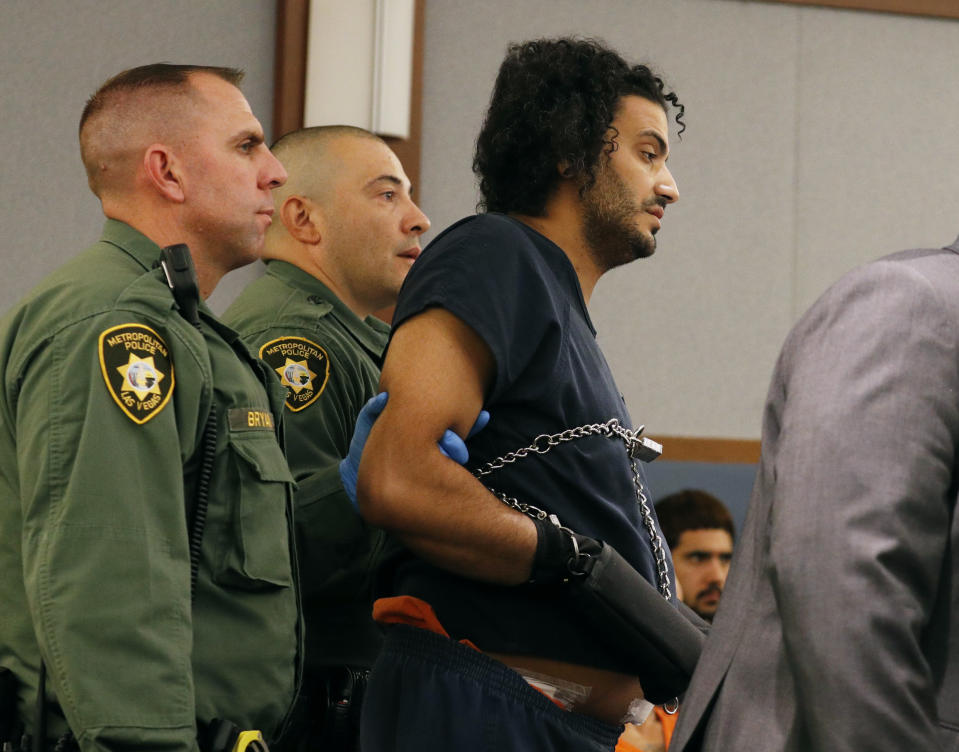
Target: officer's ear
<point>301,219</point>
<point>163,171</point>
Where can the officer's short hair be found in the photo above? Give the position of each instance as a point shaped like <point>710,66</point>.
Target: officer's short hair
<point>154,75</point>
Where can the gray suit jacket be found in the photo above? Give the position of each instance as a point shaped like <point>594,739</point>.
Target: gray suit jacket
<point>838,630</point>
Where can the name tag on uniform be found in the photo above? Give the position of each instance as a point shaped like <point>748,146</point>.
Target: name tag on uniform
<point>250,419</point>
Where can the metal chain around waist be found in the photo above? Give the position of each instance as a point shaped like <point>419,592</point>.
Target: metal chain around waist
<point>543,443</point>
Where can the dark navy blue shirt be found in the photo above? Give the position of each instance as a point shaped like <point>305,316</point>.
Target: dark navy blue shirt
<point>518,291</point>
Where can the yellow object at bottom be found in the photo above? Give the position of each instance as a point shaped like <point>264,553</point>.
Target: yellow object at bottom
<point>250,741</point>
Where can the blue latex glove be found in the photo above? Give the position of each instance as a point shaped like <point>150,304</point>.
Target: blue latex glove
<point>350,465</point>
<point>450,445</point>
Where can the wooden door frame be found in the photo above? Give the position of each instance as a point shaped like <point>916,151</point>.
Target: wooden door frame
<point>938,8</point>
<point>292,28</point>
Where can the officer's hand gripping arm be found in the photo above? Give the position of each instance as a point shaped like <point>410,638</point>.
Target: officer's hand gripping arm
<point>450,444</point>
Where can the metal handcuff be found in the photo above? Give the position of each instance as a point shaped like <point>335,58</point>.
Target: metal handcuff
<point>637,446</point>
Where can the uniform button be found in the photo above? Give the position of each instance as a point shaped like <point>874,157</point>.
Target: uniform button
<point>316,299</point>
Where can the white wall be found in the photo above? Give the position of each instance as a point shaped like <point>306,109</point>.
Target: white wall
<point>54,54</point>
<point>817,139</point>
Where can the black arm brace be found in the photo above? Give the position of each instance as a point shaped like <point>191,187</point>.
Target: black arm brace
<point>660,641</point>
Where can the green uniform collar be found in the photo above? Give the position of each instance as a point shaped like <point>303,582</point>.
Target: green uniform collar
<point>147,254</point>
<point>370,332</point>
<point>132,242</point>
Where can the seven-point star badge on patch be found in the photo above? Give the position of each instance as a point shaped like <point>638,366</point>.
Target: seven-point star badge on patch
<point>137,369</point>
<point>296,374</point>
<point>140,375</point>
<point>304,369</point>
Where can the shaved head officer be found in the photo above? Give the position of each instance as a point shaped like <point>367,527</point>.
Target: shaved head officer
<point>346,232</point>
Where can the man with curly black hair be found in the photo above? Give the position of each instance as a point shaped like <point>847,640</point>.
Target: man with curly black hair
<point>483,651</point>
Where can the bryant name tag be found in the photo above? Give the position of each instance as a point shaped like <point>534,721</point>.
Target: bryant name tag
<point>303,366</point>
<point>250,419</point>
<point>137,369</point>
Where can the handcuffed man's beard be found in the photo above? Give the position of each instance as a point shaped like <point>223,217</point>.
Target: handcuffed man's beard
<point>609,223</point>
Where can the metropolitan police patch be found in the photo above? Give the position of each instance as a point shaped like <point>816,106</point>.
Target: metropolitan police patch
<point>303,366</point>
<point>136,366</point>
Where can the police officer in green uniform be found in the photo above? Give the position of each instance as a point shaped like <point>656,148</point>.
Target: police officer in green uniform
<point>124,405</point>
<point>345,235</point>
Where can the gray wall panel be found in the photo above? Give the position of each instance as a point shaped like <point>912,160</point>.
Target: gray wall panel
<point>879,167</point>
<point>55,53</point>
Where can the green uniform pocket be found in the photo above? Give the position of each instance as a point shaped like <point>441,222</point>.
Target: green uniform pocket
<point>255,552</point>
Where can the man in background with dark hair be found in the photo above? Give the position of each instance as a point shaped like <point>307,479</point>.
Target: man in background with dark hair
<point>345,234</point>
<point>482,651</point>
<point>145,501</point>
<point>700,533</point>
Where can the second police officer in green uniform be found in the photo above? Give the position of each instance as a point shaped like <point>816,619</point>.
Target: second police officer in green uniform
<point>104,414</point>
<point>345,234</point>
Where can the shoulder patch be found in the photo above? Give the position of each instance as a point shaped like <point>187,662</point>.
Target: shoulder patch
<point>137,369</point>
<point>303,366</point>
